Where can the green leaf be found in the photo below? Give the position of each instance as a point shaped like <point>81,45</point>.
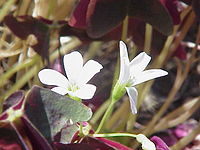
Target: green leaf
<point>50,111</point>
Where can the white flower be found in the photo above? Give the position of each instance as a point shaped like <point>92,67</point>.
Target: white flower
<point>133,73</point>
<point>146,143</point>
<point>78,76</point>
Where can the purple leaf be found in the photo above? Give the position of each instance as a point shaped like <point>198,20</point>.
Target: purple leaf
<point>13,99</point>
<point>154,13</point>
<point>17,104</point>
<point>104,15</point>
<point>98,17</point>
<point>78,18</point>
<point>37,140</point>
<point>23,26</point>
<point>115,144</point>
<point>172,7</point>
<point>20,126</point>
<point>168,137</point>
<point>67,30</point>
<point>160,144</point>
<point>9,139</point>
<point>54,110</point>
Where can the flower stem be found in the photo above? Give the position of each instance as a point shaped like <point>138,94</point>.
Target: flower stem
<point>148,38</point>
<point>105,117</point>
<point>114,135</point>
<point>124,29</point>
<point>108,111</point>
<point>81,130</point>
<point>117,117</point>
<point>74,98</point>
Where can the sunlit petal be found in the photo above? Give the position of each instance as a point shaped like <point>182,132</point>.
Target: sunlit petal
<point>64,39</point>
<point>89,70</point>
<point>124,64</point>
<point>60,90</point>
<point>73,64</point>
<point>146,143</point>
<point>148,75</point>
<point>139,63</point>
<point>86,91</point>
<point>132,93</point>
<point>52,77</point>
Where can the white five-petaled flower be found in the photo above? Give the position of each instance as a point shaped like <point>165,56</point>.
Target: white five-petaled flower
<point>133,73</point>
<point>77,77</point>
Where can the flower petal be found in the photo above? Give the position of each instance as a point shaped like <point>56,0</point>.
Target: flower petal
<point>60,90</point>
<point>52,77</point>
<point>146,143</point>
<point>148,75</point>
<point>124,64</point>
<point>89,70</point>
<point>132,93</point>
<point>86,91</point>
<point>64,39</point>
<point>73,64</point>
<point>139,63</point>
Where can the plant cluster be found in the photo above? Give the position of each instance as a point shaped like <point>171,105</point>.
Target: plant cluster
<point>65,72</point>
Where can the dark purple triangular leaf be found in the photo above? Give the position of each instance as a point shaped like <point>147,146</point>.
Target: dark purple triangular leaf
<point>13,112</point>
<point>37,140</point>
<point>14,118</point>
<point>152,12</point>
<point>24,134</point>
<point>9,139</point>
<point>53,111</point>
<point>104,15</point>
<point>19,129</point>
<point>23,26</point>
<point>13,99</point>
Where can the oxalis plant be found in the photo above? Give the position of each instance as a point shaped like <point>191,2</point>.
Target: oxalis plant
<point>58,114</point>
<point>49,91</point>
